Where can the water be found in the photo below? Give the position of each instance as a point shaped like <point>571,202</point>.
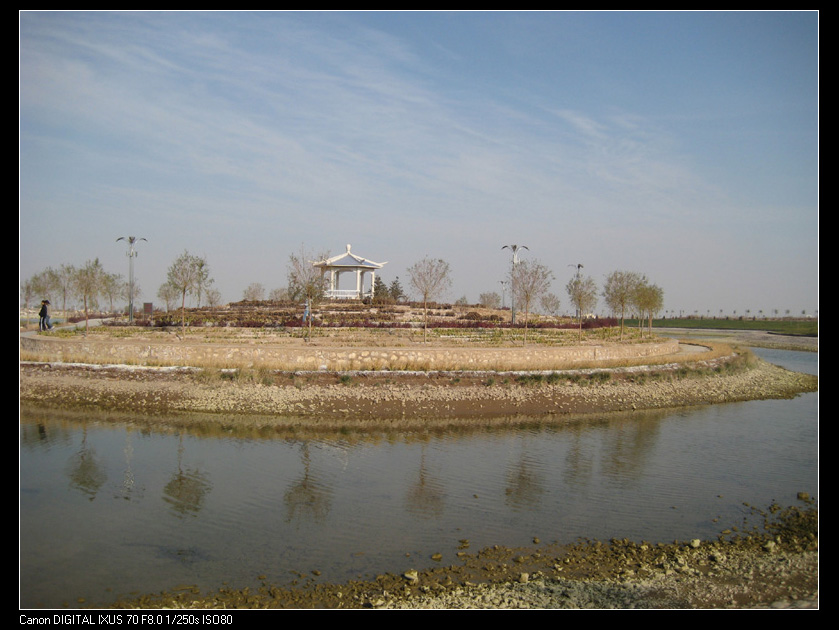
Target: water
<point>111,509</point>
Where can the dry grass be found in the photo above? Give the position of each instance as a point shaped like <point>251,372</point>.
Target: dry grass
<point>246,366</point>
<point>367,337</point>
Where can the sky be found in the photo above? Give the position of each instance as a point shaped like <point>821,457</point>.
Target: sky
<point>679,145</point>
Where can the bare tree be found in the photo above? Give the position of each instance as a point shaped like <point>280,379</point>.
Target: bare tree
<point>515,261</point>
<point>27,292</point>
<point>490,299</point>
<point>203,280</point>
<point>649,300</point>
<point>65,278</point>
<point>113,286</point>
<point>168,293</point>
<point>132,290</point>
<point>278,294</point>
<point>254,292</point>
<point>619,292</point>
<point>45,284</point>
<point>88,282</point>
<point>583,294</point>
<point>430,279</point>
<point>530,281</point>
<point>189,275</point>
<point>306,282</point>
<point>550,303</point>
<point>213,296</point>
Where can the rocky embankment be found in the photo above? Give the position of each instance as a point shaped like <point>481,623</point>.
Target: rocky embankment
<point>329,399</point>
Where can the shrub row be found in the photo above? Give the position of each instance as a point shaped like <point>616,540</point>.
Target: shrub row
<point>249,320</point>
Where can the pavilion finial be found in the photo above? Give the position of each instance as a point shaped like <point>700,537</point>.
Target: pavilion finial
<point>348,248</point>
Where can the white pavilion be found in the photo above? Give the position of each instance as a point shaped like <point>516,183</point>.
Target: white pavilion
<point>349,263</point>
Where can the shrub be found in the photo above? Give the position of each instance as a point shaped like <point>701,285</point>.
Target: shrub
<point>600,377</point>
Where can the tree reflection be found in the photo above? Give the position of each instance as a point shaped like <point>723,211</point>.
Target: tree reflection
<point>426,497</point>
<point>524,486</point>
<point>85,471</point>
<point>579,464</point>
<point>128,481</point>
<point>307,498</point>
<point>187,488</point>
<point>630,443</point>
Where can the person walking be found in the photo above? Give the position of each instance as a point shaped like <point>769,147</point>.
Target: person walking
<point>44,316</point>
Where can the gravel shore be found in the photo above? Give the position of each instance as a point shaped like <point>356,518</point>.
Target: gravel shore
<point>771,566</point>
<point>329,400</point>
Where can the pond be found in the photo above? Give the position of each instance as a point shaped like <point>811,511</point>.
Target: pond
<point>112,509</point>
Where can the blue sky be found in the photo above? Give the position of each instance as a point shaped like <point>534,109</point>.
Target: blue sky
<point>680,145</point>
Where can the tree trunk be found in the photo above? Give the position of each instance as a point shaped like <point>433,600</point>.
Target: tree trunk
<point>183,315</point>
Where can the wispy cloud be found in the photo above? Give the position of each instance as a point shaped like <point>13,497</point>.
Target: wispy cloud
<point>327,127</point>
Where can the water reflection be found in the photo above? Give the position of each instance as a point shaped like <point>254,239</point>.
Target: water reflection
<point>426,497</point>
<point>84,469</point>
<point>307,499</point>
<point>129,483</point>
<point>630,443</point>
<point>524,480</point>
<point>187,488</point>
<point>147,508</point>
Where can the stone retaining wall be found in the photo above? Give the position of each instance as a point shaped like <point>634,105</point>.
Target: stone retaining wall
<point>336,358</point>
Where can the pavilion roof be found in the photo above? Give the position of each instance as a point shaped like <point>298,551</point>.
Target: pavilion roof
<point>349,260</point>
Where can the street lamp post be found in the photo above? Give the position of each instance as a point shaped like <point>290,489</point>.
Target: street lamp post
<point>132,254</point>
<point>515,249</point>
<point>578,266</point>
